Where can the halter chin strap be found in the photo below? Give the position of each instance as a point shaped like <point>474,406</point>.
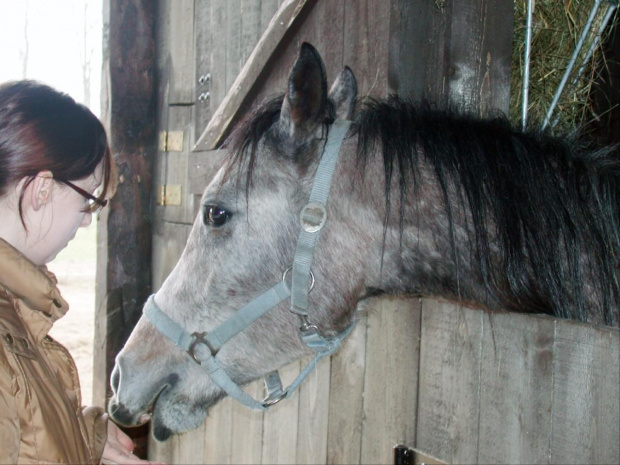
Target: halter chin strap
<point>203,347</point>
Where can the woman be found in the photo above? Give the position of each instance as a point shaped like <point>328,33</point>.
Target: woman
<point>56,170</point>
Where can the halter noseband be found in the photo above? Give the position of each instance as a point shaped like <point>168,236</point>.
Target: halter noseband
<point>203,347</point>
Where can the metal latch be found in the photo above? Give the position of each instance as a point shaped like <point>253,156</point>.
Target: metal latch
<point>404,455</point>
<point>171,141</point>
<point>168,195</point>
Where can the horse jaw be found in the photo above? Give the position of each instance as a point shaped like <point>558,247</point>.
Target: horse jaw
<point>172,415</point>
<point>175,406</point>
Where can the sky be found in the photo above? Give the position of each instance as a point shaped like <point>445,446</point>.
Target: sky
<point>56,44</point>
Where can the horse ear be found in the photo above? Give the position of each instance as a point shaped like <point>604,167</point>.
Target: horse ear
<point>305,101</point>
<point>343,93</point>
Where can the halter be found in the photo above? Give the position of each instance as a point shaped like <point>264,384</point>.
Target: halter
<point>203,347</point>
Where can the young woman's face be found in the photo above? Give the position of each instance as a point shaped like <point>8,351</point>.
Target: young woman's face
<point>60,219</point>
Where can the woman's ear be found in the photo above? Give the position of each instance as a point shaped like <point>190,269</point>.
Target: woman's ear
<point>39,191</point>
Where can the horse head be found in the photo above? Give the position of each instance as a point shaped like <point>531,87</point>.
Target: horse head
<point>482,214</point>
<point>242,242</point>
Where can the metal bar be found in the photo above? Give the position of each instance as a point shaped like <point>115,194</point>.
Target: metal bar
<point>610,11</point>
<point>571,63</point>
<point>526,65</point>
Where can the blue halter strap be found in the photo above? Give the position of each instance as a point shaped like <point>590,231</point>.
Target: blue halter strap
<point>203,347</point>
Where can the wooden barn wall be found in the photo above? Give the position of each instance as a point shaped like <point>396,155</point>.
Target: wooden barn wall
<point>455,383</point>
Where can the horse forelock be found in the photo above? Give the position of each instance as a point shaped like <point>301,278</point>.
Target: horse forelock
<point>261,126</point>
<point>544,203</point>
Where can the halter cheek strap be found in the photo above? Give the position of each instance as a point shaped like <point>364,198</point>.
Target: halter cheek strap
<point>203,347</point>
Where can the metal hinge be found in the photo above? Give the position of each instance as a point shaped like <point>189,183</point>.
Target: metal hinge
<point>168,195</point>
<point>171,141</point>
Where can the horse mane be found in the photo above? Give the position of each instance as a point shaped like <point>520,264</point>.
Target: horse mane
<point>550,205</point>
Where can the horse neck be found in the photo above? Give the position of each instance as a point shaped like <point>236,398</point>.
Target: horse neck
<point>418,252</point>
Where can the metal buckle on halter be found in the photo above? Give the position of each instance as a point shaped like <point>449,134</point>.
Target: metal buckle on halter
<point>200,338</point>
<point>313,217</point>
<point>307,327</point>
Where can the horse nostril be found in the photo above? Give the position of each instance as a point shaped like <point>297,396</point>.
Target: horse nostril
<point>121,414</point>
<point>115,379</point>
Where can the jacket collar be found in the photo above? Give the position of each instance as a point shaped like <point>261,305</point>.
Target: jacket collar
<point>35,286</point>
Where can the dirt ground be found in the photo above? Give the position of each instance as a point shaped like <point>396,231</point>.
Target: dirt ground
<point>75,269</point>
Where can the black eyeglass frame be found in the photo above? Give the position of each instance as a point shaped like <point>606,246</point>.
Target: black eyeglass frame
<point>100,203</point>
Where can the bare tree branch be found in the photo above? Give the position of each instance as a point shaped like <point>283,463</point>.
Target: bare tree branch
<point>23,51</point>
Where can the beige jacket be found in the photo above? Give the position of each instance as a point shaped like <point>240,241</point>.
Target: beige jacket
<point>41,418</point>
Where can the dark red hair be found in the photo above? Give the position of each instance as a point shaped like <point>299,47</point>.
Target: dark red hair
<point>43,129</point>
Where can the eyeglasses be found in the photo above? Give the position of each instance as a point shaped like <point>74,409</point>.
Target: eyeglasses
<point>92,200</point>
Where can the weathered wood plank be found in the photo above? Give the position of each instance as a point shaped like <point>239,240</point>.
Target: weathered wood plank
<point>480,51</point>
<point>218,55</point>
<point>268,8</point>
<point>233,42</point>
<point>186,448</point>
<point>252,68</point>
<point>219,433</point>
<point>182,60</point>
<point>516,389</point>
<point>202,167</point>
<point>586,395</point>
<point>417,64</point>
<point>327,35</point>
<point>203,54</point>
<point>454,53</point>
<point>391,378</point>
<point>449,390</point>
<point>168,244</point>
<point>161,451</point>
<point>280,424</point>
<point>313,414</point>
<point>346,396</point>
<point>247,429</point>
<point>366,40</point>
<point>250,28</point>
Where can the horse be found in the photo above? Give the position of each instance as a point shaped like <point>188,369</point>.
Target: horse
<point>421,201</point>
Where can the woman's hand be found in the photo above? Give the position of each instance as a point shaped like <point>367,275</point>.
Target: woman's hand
<point>119,448</point>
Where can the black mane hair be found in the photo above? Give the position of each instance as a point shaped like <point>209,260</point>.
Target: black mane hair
<point>551,205</point>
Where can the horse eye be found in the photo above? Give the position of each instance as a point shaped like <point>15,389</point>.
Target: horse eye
<point>215,216</point>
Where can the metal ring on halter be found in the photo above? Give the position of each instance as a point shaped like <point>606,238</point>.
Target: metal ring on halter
<point>311,277</point>
<point>267,402</point>
<point>199,338</point>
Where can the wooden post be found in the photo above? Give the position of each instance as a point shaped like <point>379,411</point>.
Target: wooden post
<point>128,103</point>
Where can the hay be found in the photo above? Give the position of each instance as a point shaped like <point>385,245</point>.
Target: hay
<point>557,27</point>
